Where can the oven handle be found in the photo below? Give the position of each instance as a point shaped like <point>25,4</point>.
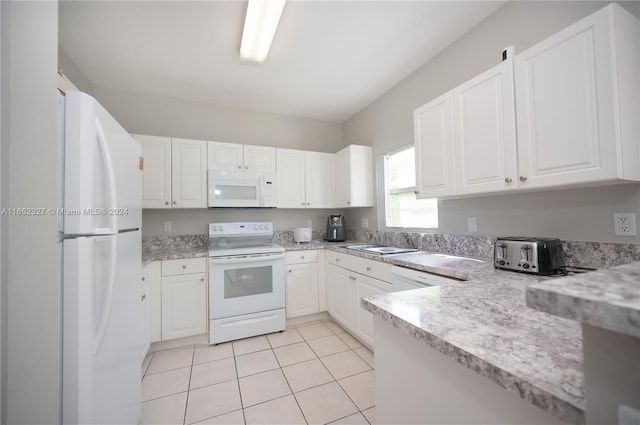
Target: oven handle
<point>246,258</point>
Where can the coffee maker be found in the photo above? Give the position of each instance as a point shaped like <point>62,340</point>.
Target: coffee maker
<point>336,228</point>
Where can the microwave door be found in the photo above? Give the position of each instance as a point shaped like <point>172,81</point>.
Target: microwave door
<point>229,193</point>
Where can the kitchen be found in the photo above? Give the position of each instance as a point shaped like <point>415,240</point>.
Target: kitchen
<point>583,214</point>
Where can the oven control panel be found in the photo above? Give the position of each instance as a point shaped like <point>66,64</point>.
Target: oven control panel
<point>259,228</point>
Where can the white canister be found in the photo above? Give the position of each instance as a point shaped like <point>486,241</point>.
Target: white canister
<point>302,234</point>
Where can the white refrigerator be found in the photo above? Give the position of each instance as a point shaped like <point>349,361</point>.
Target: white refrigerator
<point>99,221</point>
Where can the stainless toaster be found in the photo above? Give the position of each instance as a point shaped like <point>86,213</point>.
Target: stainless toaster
<point>544,256</point>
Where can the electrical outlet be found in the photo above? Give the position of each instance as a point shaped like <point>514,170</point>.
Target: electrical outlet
<point>365,222</point>
<point>309,223</point>
<point>472,224</point>
<point>167,226</point>
<point>624,224</point>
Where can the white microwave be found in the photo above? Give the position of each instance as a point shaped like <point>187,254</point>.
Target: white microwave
<point>235,189</point>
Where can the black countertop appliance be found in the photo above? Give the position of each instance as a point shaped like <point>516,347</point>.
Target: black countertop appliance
<point>336,228</point>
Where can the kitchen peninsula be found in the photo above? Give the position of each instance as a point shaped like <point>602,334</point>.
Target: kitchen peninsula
<point>475,353</point>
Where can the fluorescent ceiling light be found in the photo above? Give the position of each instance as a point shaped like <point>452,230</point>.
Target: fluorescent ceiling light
<point>260,26</point>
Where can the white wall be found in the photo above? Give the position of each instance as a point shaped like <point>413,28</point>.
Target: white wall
<point>30,287</point>
<point>163,116</point>
<point>193,222</point>
<point>387,124</point>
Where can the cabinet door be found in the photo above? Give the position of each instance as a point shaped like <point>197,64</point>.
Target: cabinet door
<point>318,179</point>
<point>340,295</point>
<point>360,175</point>
<point>342,181</point>
<point>433,133</point>
<point>146,319</point>
<point>224,156</point>
<point>189,173</point>
<point>152,277</point>
<point>184,305</point>
<point>566,106</point>
<point>156,176</point>
<point>259,159</point>
<point>366,287</point>
<point>302,289</point>
<point>485,133</point>
<point>291,191</point>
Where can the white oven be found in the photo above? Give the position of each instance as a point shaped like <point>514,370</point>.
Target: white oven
<point>246,282</point>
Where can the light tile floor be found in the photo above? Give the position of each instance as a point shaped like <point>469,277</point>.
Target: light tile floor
<point>314,373</point>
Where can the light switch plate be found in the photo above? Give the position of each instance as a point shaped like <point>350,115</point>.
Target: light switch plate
<point>167,226</point>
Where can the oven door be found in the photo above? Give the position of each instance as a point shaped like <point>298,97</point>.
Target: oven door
<point>245,284</point>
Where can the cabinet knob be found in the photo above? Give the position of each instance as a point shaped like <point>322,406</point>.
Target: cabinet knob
<point>508,179</point>
<point>416,192</point>
<point>246,167</point>
<point>337,259</point>
<point>175,202</point>
<point>302,257</point>
<point>289,271</point>
<point>348,202</point>
<point>523,178</point>
<point>368,268</point>
<point>308,203</point>
<point>166,202</point>
<point>143,297</point>
<point>143,279</point>
<point>184,267</point>
<point>202,279</point>
<point>239,167</point>
<point>302,203</point>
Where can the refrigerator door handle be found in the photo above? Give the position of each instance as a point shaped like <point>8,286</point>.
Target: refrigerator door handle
<point>111,178</point>
<point>106,305</point>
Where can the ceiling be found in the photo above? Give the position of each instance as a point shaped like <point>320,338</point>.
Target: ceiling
<point>328,60</point>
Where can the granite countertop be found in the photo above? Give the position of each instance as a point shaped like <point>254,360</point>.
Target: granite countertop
<point>172,253</point>
<point>485,324</point>
<point>608,299</point>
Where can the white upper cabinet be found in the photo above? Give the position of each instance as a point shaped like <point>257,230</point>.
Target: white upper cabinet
<point>353,183</point>
<point>237,157</point>
<point>433,133</point>
<point>484,132</point>
<point>291,172</point>
<point>189,173</point>
<point>304,179</point>
<point>156,175</point>
<point>318,179</point>
<point>175,172</point>
<point>577,103</point>
<point>575,121</point>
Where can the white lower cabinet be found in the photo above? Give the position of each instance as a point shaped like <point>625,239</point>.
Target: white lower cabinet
<point>302,283</point>
<point>340,295</point>
<point>174,297</point>
<point>151,304</point>
<point>366,287</point>
<point>184,307</point>
<point>184,297</point>
<point>349,279</point>
<point>146,318</point>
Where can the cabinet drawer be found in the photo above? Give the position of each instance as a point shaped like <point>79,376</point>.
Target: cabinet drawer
<point>301,257</point>
<point>375,269</point>
<point>339,259</point>
<point>184,266</point>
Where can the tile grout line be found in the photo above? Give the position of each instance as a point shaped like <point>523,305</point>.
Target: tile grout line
<point>186,404</point>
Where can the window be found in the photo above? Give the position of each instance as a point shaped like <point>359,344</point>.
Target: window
<point>402,209</point>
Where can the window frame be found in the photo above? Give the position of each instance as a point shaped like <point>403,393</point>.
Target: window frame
<point>383,190</point>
